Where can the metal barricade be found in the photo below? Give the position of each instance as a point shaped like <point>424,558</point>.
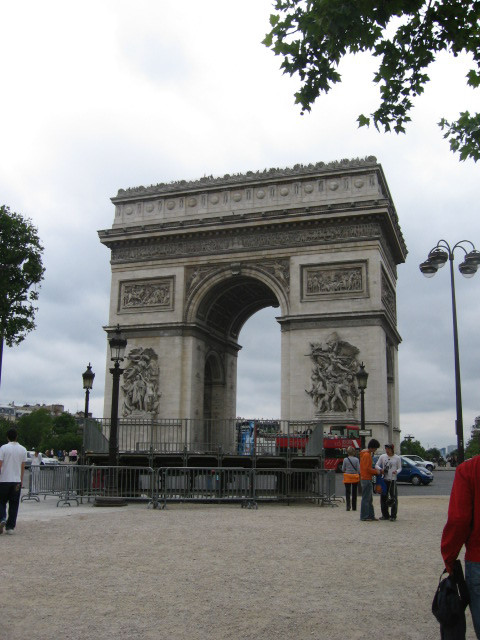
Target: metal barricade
<point>77,482</point>
<point>201,484</point>
<point>128,483</point>
<point>46,480</point>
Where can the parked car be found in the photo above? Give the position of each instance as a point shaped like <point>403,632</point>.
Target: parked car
<point>420,462</point>
<point>413,473</point>
<point>44,461</point>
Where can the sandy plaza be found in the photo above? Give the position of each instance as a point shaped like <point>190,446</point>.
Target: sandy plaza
<point>221,572</point>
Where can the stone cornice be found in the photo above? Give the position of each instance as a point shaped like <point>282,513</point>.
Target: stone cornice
<point>298,170</point>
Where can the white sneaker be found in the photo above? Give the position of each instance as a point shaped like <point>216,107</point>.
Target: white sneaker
<point>9,532</point>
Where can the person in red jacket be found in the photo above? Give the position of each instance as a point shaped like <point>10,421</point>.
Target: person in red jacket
<point>463,528</point>
<point>367,471</point>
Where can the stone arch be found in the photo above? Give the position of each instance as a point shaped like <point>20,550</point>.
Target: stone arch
<point>228,297</point>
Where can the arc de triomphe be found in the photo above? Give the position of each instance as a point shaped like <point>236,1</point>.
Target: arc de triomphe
<point>193,261</point>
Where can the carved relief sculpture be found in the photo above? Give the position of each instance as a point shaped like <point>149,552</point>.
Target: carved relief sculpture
<point>334,386</point>
<point>149,295</point>
<point>140,388</point>
<point>321,281</point>
<point>388,296</point>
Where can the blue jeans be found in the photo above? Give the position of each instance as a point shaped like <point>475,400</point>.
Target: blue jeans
<point>9,493</point>
<point>472,578</point>
<point>366,506</point>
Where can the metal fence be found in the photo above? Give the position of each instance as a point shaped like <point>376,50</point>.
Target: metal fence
<point>158,487</point>
<point>178,435</point>
<point>76,483</point>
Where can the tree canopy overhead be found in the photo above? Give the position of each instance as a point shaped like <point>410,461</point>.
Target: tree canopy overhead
<point>313,36</point>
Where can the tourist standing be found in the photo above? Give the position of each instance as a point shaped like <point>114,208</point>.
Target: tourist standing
<point>351,478</point>
<point>389,464</point>
<point>35,470</point>
<point>12,467</point>
<point>367,472</point>
<point>463,528</point>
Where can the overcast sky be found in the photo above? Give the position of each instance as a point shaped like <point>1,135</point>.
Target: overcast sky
<point>98,96</point>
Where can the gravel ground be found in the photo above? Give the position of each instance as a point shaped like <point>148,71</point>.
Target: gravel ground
<point>221,572</point>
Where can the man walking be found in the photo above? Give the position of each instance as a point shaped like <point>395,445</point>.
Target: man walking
<point>389,464</point>
<point>12,467</point>
<point>463,528</point>
<point>367,471</point>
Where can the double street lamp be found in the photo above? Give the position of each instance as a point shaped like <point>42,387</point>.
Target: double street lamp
<point>436,259</point>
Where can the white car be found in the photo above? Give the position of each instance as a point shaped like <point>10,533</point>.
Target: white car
<point>45,460</point>
<point>420,462</point>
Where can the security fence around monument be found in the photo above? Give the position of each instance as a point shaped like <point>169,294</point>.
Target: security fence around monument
<point>200,436</point>
<point>77,484</point>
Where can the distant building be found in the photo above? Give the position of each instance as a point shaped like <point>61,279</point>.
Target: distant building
<point>13,412</point>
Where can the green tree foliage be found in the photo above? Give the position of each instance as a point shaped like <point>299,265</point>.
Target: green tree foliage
<point>5,425</point>
<point>433,454</point>
<point>65,433</point>
<point>35,429</point>
<point>412,447</point>
<point>473,447</point>
<point>405,35</point>
<point>21,271</point>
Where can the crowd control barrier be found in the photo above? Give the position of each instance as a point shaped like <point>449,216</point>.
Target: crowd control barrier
<point>248,487</point>
<point>76,483</point>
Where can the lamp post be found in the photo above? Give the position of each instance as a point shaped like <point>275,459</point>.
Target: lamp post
<point>118,344</point>
<point>362,377</point>
<point>436,259</point>
<point>88,377</point>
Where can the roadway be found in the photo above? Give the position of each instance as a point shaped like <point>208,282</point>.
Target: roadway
<point>441,485</point>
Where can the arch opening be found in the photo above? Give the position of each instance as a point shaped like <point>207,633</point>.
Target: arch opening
<point>230,303</point>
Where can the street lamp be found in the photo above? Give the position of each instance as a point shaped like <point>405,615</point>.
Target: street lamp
<point>362,377</point>
<point>118,344</point>
<point>436,259</point>
<point>88,377</point>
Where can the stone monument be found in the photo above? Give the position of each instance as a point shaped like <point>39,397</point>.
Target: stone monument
<point>192,261</point>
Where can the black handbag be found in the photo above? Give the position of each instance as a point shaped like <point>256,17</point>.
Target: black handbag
<point>449,604</point>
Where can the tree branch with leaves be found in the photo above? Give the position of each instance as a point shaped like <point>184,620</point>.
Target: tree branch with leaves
<point>21,272</point>
<point>312,37</point>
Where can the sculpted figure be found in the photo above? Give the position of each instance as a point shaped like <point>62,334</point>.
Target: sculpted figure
<point>333,375</point>
<point>140,388</point>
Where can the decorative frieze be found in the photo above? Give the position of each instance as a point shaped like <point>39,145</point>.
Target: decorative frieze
<point>334,280</point>
<point>244,241</point>
<point>146,295</point>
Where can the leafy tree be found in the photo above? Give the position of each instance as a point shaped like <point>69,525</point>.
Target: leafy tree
<point>5,425</point>
<point>433,454</point>
<point>412,447</point>
<point>21,270</point>
<point>65,433</point>
<point>473,447</point>
<point>34,429</point>
<point>406,36</point>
